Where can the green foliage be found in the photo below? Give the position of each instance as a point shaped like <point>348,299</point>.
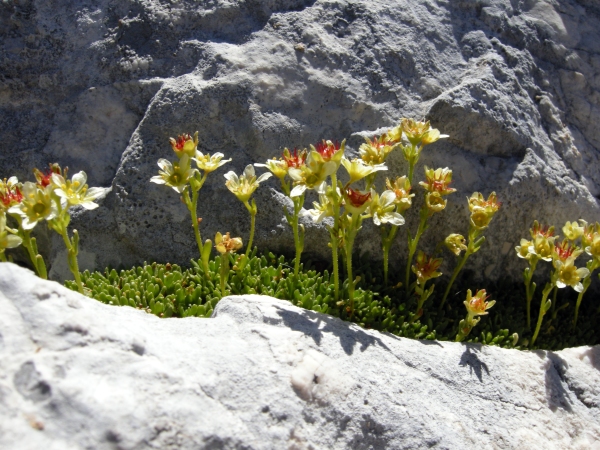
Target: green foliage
<point>172,291</point>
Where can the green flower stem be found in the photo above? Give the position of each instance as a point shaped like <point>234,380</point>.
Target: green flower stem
<point>350,236</point>
<point>464,328</point>
<point>252,210</point>
<point>224,272</point>
<point>334,236</point>
<point>412,243</point>
<point>554,292</point>
<point>545,305</point>
<point>387,240</point>
<point>36,259</point>
<point>369,180</point>
<point>457,269</point>
<point>592,265</point>
<point>474,245</point>
<point>3,256</point>
<point>72,254</point>
<point>412,162</point>
<point>298,238</point>
<point>31,245</point>
<point>205,255</point>
<point>192,205</point>
<point>424,294</point>
<point>529,286</point>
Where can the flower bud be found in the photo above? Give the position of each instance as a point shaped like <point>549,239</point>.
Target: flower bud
<point>455,243</point>
<point>435,202</point>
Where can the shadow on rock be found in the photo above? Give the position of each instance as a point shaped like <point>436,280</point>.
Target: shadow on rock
<point>593,354</point>
<point>309,323</point>
<point>557,395</point>
<point>470,358</point>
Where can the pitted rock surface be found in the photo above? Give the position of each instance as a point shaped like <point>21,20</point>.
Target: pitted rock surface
<point>102,86</point>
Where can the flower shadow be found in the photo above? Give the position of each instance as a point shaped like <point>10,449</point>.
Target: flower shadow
<point>470,358</point>
<point>557,395</point>
<point>315,325</point>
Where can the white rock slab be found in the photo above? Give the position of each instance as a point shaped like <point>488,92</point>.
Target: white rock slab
<point>263,374</point>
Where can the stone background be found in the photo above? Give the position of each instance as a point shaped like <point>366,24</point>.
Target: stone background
<point>101,85</point>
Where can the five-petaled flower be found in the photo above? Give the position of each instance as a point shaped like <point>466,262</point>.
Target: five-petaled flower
<point>455,243</point>
<point>10,193</point>
<point>330,151</point>
<point>426,268</point>
<point>565,250</point>
<point>295,159</point>
<point>45,178</point>
<point>312,174</point>
<point>7,239</point>
<point>323,208</point>
<point>357,169</point>
<point>438,180</point>
<point>356,201</point>
<point>37,205</point>
<point>184,145</point>
<point>594,248</point>
<point>244,186</point>
<point>569,275</point>
<point>523,250</point>
<point>382,208</point>
<point>417,132</point>
<point>278,167</point>
<point>482,210</point>
<point>75,191</point>
<point>401,187</point>
<point>377,150</point>
<point>176,175</point>
<point>227,244</point>
<point>477,305</point>
<point>572,230</point>
<point>209,163</point>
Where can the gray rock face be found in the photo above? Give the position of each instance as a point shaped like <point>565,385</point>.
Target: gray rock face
<point>263,374</point>
<point>102,86</point>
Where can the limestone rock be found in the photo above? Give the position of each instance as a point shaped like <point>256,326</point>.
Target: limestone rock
<point>263,374</point>
<point>515,84</point>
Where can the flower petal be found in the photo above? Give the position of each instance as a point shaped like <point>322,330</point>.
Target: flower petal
<point>80,177</point>
<point>157,179</point>
<point>89,205</point>
<point>295,174</point>
<point>165,165</point>
<point>96,193</point>
<point>263,177</point>
<point>231,176</point>
<point>387,198</point>
<point>13,241</point>
<point>249,171</point>
<point>396,219</point>
<point>298,190</point>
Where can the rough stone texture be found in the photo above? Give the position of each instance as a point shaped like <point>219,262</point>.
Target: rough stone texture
<point>264,374</point>
<point>101,86</point>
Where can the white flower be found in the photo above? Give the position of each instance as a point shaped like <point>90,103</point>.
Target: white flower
<point>322,209</point>
<point>245,185</point>
<point>209,163</point>
<point>7,240</point>
<point>37,205</point>
<point>76,191</point>
<point>175,175</point>
<point>357,169</point>
<point>382,208</point>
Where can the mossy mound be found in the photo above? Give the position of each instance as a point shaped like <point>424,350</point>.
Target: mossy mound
<point>168,290</point>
